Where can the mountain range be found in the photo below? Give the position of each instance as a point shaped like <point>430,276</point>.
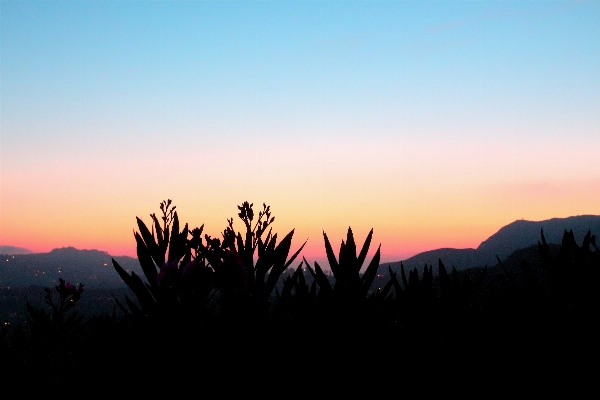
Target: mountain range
<point>515,236</point>
<point>94,268</point>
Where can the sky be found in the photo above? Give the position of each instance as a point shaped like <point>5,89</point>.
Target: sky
<point>433,122</point>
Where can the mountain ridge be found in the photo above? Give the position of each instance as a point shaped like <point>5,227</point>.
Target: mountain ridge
<point>13,250</point>
<point>94,268</point>
<point>514,236</point>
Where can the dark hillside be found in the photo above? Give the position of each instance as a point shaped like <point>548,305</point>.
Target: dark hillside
<point>514,236</point>
<point>521,233</point>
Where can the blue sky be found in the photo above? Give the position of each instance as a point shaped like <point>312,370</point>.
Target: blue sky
<point>339,112</point>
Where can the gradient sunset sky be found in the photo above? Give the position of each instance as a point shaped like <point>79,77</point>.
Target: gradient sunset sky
<point>433,122</point>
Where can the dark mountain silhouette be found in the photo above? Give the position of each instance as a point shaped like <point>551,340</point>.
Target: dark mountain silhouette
<point>521,233</point>
<point>10,250</point>
<point>93,268</point>
<point>510,238</point>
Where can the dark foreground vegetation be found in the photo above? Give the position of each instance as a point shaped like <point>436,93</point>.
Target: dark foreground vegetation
<point>246,309</point>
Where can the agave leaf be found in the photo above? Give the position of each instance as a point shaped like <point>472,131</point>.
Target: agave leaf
<point>321,279</point>
<point>261,247</point>
<point>273,242</point>
<point>264,263</point>
<point>269,236</point>
<point>279,264</point>
<point>141,292</point>
<point>365,249</point>
<point>287,264</point>
<point>187,257</point>
<point>301,287</point>
<point>122,273</point>
<point>178,248</point>
<point>383,295</point>
<point>351,247</point>
<point>404,281</point>
<point>371,272</point>
<point>444,279</point>
<point>145,260</point>
<point>347,259</point>
<point>394,280</point>
<point>154,291</point>
<point>333,264</point>
<point>309,268</point>
<point>156,252</point>
<point>159,234</point>
<point>342,260</point>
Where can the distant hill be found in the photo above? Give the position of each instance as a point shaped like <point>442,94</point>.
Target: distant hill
<point>510,238</point>
<point>93,268</point>
<point>10,250</point>
<point>521,233</point>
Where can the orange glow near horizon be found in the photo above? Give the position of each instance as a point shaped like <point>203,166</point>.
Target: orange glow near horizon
<point>398,240</point>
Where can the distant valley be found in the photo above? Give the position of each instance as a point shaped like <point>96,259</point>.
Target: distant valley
<point>93,268</point>
<point>23,277</point>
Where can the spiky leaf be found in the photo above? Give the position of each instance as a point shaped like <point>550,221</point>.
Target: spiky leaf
<point>333,264</point>
<point>156,252</point>
<point>371,272</point>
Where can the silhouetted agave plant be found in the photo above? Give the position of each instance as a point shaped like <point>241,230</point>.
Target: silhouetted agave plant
<point>348,304</point>
<point>254,291</point>
<point>161,269</point>
<point>572,274</point>
<point>195,270</point>
<point>350,285</point>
